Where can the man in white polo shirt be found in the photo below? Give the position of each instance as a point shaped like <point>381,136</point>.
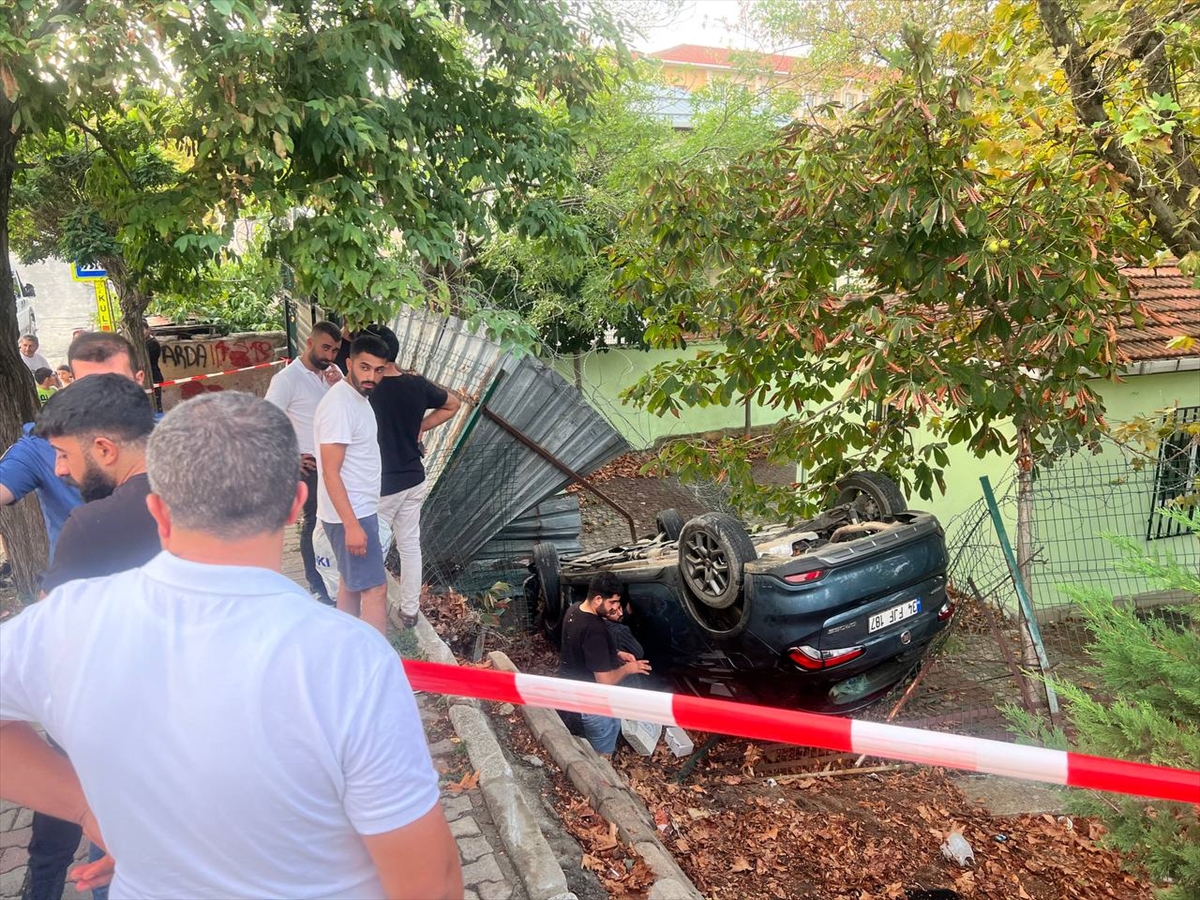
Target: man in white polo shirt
<point>297,389</point>
<point>349,472</point>
<point>250,743</point>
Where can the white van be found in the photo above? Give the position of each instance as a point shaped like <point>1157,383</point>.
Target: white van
<point>26,320</point>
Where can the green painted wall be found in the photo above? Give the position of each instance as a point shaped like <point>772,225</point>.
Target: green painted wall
<point>609,372</point>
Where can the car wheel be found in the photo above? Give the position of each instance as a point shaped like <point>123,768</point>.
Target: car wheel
<point>549,575</point>
<point>873,494</point>
<point>669,524</point>
<point>713,549</point>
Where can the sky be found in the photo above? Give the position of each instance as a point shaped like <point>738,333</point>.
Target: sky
<point>697,22</point>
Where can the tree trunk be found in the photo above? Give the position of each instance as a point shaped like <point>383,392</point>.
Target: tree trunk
<point>577,362</point>
<point>21,525</point>
<point>133,304</point>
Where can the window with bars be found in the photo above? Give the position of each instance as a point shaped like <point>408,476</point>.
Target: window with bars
<point>1177,475</point>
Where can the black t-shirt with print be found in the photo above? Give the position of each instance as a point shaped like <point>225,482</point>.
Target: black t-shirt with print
<point>587,646</point>
<point>400,403</point>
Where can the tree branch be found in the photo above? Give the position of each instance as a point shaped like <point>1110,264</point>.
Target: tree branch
<point>1168,218</point>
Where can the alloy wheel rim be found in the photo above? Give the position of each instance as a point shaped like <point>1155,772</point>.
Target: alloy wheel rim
<point>707,563</point>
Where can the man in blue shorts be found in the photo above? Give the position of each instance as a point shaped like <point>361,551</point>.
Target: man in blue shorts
<point>348,478</point>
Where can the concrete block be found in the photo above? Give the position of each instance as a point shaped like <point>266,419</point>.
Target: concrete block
<point>456,806</point>
<point>624,813</point>
<point>471,848</point>
<point>483,869</point>
<point>18,837</point>
<point>486,756</point>
<point>11,884</point>
<point>13,858</point>
<point>443,747</point>
<point>491,890</point>
<point>464,827</point>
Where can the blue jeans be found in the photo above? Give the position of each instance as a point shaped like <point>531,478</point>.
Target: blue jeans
<point>601,732</point>
<point>95,853</point>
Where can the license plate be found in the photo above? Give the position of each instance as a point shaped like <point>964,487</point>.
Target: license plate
<point>894,615</point>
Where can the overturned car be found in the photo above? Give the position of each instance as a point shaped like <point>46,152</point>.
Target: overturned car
<point>827,614</point>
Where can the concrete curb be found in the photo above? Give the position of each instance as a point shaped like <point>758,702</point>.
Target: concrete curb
<point>608,794</point>
<point>527,847</point>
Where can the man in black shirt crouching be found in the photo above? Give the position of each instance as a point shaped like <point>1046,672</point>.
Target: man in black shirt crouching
<point>590,654</point>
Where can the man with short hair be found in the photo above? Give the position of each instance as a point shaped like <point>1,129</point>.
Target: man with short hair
<point>232,693</point>
<point>29,464</point>
<point>98,430</point>
<point>406,406</point>
<point>348,469</point>
<point>28,345</point>
<point>297,389</point>
<point>588,653</point>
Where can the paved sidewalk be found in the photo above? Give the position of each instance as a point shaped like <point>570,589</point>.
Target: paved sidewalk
<point>487,872</point>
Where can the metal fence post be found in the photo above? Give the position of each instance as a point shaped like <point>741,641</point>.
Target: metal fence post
<point>1030,620</point>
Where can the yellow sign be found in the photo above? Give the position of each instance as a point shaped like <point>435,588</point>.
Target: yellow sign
<point>105,320</point>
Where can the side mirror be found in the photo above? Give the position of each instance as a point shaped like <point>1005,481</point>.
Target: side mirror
<point>28,290</point>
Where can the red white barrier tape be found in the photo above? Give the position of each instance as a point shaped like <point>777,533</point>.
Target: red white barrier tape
<point>811,730</point>
<point>163,384</point>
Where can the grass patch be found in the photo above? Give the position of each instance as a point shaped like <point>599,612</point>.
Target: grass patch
<point>405,643</point>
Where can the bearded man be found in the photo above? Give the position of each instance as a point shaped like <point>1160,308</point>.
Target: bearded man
<point>98,429</point>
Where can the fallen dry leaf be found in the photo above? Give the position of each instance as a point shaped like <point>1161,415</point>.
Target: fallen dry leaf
<point>741,864</point>
<point>469,782</point>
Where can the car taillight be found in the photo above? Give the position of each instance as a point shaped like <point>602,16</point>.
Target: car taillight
<point>804,577</point>
<point>946,611</point>
<point>812,660</point>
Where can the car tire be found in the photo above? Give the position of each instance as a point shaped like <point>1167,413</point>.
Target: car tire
<point>874,494</point>
<point>549,575</point>
<point>713,549</point>
<point>669,523</point>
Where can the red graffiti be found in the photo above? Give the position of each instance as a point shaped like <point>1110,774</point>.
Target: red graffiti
<point>196,388</point>
<point>242,353</point>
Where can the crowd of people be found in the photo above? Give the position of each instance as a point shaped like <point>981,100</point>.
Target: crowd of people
<point>48,380</point>
<point>212,728</point>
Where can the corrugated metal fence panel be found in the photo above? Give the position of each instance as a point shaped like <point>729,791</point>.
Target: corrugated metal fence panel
<point>493,477</point>
<point>555,521</point>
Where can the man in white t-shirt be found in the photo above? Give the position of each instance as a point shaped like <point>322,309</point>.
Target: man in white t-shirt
<point>348,478</point>
<point>250,743</point>
<point>28,345</point>
<point>297,388</point>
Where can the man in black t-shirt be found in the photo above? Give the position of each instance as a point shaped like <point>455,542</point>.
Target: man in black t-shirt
<point>406,406</point>
<point>99,427</point>
<point>588,653</point>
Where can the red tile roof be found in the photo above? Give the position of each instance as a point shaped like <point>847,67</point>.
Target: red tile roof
<point>696,55</point>
<point>1174,306</point>
<point>779,63</point>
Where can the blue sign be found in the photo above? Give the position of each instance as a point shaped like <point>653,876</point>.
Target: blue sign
<point>87,272</point>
